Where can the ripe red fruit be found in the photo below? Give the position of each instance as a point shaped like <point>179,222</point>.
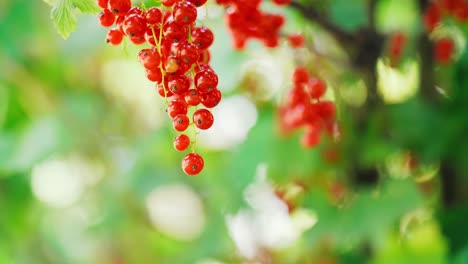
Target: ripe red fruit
<point>397,42</point>
<point>134,25</point>
<point>316,88</point>
<point>179,84</point>
<point>443,50</point>
<point>193,97</point>
<point>192,164</point>
<point>326,110</point>
<point>168,2</point>
<point>311,137</point>
<point>114,37</point>
<point>106,18</point>
<point>206,81</point>
<point>296,40</point>
<point>180,122</point>
<point>187,52</point>
<point>153,15</point>
<point>202,37</point>
<point>181,142</point>
<point>120,7</point>
<point>197,3</point>
<point>102,3</point>
<point>432,16</point>
<point>184,13</point>
<point>149,58</point>
<point>163,92</point>
<point>203,119</point>
<point>154,75</point>
<point>300,75</point>
<point>177,107</point>
<point>211,99</point>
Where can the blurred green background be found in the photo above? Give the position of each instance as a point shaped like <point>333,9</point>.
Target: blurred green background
<point>88,173</point>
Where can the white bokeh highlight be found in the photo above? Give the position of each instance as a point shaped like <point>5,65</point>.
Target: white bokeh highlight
<point>177,211</point>
<point>60,182</point>
<point>233,119</point>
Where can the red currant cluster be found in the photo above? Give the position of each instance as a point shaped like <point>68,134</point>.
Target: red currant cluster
<point>246,20</point>
<point>305,108</point>
<point>433,15</point>
<point>177,60</point>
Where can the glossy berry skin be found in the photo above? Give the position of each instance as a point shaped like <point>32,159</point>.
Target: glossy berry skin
<point>179,84</point>
<point>149,58</point>
<point>443,50</point>
<point>180,122</point>
<point>197,3</point>
<point>163,92</point>
<point>103,3</point>
<point>153,15</point>
<point>301,75</point>
<point>134,25</point>
<point>296,40</point>
<point>316,88</point>
<point>119,7</point>
<point>192,97</point>
<point>211,99</point>
<point>168,2</point>
<point>202,37</point>
<point>181,142</point>
<point>206,81</point>
<point>203,119</point>
<point>193,164</point>
<point>114,37</point>
<point>106,18</point>
<point>184,13</point>
<point>154,75</point>
<point>177,107</point>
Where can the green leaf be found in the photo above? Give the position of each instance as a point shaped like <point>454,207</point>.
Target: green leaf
<point>63,17</point>
<point>349,14</point>
<point>87,6</point>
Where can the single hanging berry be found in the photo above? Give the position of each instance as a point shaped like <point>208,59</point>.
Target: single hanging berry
<point>192,164</point>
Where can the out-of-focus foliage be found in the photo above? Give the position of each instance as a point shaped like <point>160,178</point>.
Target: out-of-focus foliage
<point>88,173</point>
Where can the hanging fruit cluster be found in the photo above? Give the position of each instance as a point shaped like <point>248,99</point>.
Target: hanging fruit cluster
<point>306,109</point>
<point>176,59</point>
<point>434,14</point>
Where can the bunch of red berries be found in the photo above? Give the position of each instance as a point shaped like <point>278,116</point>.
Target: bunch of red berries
<point>305,108</point>
<point>176,60</point>
<point>433,15</point>
<point>246,20</point>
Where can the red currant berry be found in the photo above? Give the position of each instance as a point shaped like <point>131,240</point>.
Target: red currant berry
<point>149,58</point>
<point>153,16</point>
<point>177,107</point>
<point>316,88</point>
<point>206,81</point>
<point>174,32</point>
<point>202,37</point>
<point>102,3</point>
<point>168,2</point>
<point>432,17</point>
<point>192,97</point>
<point>204,57</point>
<point>106,18</point>
<point>197,3</point>
<point>187,52</point>
<point>154,75</point>
<point>296,40</point>
<point>192,164</point>
<point>211,99</point>
<point>135,10</point>
<point>138,40</point>
<point>203,119</point>
<point>163,92</point>
<point>301,75</point>
<point>181,142</point>
<point>134,25</point>
<point>171,64</point>
<point>443,50</point>
<point>120,7</point>
<point>184,13</point>
<point>326,110</point>
<point>114,37</point>
<point>311,138</point>
<point>180,122</point>
<point>179,84</point>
